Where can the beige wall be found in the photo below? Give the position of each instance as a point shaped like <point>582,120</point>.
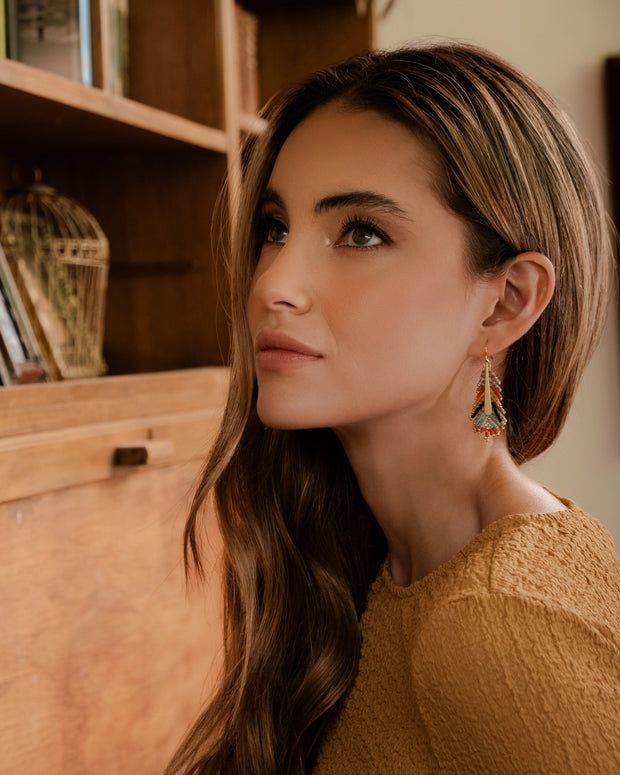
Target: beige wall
<point>562,44</point>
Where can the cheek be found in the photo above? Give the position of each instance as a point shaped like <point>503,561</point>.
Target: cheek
<point>252,310</point>
<point>389,311</point>
<point>395,333</point>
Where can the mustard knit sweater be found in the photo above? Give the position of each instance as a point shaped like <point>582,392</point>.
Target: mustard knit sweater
<point>506,659</point>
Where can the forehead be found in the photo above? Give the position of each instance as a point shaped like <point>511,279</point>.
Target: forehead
<point>337,147</point>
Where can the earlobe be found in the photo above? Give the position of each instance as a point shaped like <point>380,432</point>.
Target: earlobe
<point>523,290</point>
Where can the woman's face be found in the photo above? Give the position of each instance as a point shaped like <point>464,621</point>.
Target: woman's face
<point>360,307</point>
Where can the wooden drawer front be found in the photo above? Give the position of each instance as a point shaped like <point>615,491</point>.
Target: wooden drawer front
<point>37,463</point>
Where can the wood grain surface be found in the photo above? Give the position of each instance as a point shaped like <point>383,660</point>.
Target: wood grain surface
<point>104,657</point>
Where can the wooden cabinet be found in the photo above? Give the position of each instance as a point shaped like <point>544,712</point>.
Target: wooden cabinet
<point>104,657</point>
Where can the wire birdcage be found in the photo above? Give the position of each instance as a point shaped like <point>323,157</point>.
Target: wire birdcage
<point>59,256</point>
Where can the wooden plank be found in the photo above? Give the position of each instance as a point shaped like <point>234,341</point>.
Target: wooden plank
<point>261,6</point>
<point>30,409</point>
<point>231,96</point>
<point>105,657</point>
<point>252,124</point>
<point>161,322</point>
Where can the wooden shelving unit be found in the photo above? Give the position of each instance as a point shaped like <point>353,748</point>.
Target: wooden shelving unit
<point>105,659</point>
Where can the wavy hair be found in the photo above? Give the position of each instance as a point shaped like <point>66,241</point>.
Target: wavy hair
<point>300,545</point>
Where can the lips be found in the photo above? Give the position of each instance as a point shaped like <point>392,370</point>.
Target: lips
<point>276,351</point>
<point>276,341</point>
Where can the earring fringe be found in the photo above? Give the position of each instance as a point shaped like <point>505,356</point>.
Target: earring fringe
<point>488,414</point>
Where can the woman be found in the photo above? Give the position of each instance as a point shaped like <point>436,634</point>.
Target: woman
<point>414,227</point>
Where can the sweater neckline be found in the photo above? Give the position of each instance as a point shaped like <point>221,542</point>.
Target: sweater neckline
<point>486,535</point>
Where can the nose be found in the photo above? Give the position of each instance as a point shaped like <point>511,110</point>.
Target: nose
<point>282,279</point>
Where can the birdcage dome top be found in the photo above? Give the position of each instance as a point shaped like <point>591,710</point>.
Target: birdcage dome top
<point>53,223</point>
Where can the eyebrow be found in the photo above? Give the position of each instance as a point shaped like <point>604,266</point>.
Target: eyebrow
<point>271,197</point>
<point>361,199</point>
<point>345,199</point>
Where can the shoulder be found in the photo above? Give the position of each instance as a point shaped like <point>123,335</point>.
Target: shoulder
<point>525,651</point>
<point>561,561</point>
<point>555,575</point>
<point>547,585</point>
<point>565,560</point>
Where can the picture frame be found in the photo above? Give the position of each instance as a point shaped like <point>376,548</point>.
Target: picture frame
<point>21,361</point>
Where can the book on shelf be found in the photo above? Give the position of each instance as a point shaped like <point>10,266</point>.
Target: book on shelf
<point>10,28</point>
<point>21,361</point>
<point>247,59</point>
<point>2,29</point>
<point>114,24</point>
<point>53,36</point>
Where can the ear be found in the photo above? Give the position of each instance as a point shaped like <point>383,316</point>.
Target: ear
<point>522,291</point>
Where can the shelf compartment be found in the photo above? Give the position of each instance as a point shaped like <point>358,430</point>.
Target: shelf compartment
<point>176,54</point>
<point>295,39</point>
<point>163,310</point>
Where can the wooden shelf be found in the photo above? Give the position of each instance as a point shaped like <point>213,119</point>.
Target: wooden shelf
<point>87,117</point>
<point>32,409</point>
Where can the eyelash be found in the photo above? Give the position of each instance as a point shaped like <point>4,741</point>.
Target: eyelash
<point>363,222</point>
<point>349,224</point>
<point>265,223</point>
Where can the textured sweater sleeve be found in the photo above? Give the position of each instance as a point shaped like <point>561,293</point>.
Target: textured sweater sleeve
<point>513,685</point>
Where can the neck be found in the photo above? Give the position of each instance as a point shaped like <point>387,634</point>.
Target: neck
<point>433,486</point>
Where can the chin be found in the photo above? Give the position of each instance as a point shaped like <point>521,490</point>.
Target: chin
<point>283,418</point>
<point>279,423</point>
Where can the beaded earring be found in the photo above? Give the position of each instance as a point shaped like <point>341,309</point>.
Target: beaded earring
<point>488,414</point>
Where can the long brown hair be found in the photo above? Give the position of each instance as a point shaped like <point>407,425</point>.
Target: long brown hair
<point>300,545</point>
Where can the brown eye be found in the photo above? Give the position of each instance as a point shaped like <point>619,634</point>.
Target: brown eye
<point>274,231</point>
<point>361,233</point>
<point>363,237</point>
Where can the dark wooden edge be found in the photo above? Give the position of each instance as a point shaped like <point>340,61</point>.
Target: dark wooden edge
<point>612,91</point>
